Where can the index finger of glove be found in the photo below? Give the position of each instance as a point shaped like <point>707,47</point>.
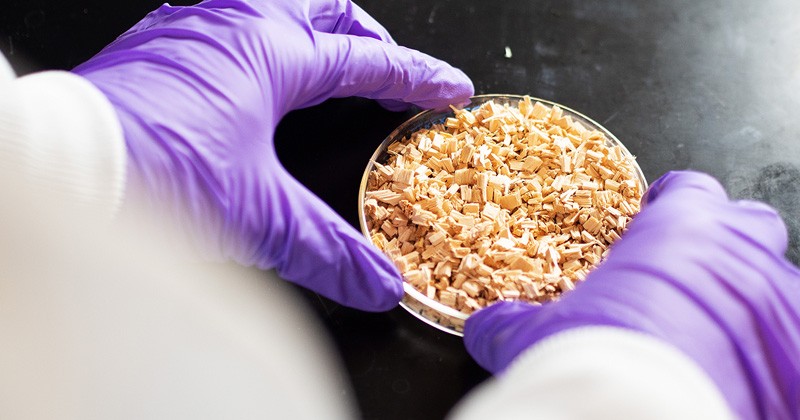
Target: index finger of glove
<point>356,66</point>
<point>345,17</point>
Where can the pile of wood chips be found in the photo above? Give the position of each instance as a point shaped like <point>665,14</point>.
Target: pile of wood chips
<point>500,203</point>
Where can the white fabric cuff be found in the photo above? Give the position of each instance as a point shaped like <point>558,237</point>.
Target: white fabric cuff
<point>598,373</point>
<point>60,135</point>
<point>6,73</point>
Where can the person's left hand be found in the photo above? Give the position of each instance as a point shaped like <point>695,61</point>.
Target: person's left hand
<point>199,91</point>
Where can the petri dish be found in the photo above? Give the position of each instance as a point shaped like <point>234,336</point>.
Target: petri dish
<point>431,311</point>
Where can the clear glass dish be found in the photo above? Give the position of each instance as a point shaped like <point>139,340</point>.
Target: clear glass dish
<point>428,310</point>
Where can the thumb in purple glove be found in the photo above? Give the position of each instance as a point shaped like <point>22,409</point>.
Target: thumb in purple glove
<point>700,272</point>
<point>199,91</point>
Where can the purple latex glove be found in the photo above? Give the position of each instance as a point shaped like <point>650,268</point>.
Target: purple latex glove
<point>702,273</point>
<point>199,91</point>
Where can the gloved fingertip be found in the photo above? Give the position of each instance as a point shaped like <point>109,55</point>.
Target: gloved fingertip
<point>760,208</point>
<point>394,105</point>
<point>685,182</point>
<point>462,103</point>
<point>771,228</point>
<point>448,86</point>
<point>376,69</point>
<point>381,285</point>
<point>391,294</point>
<point>322,252</point>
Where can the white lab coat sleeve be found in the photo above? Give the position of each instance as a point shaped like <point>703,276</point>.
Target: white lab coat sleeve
<point>60,136</point>
<point>110,321</point>
<point>113,322</point>
<point>597,373</point>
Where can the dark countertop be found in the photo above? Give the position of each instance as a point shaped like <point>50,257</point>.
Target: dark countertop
<point>710,85</point>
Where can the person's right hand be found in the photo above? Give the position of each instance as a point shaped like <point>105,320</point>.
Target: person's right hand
<point>199,91</point>
<point>696,270</point>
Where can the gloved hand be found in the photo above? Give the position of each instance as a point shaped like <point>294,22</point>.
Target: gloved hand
<point>702,273</point>
<point>199,91</point>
